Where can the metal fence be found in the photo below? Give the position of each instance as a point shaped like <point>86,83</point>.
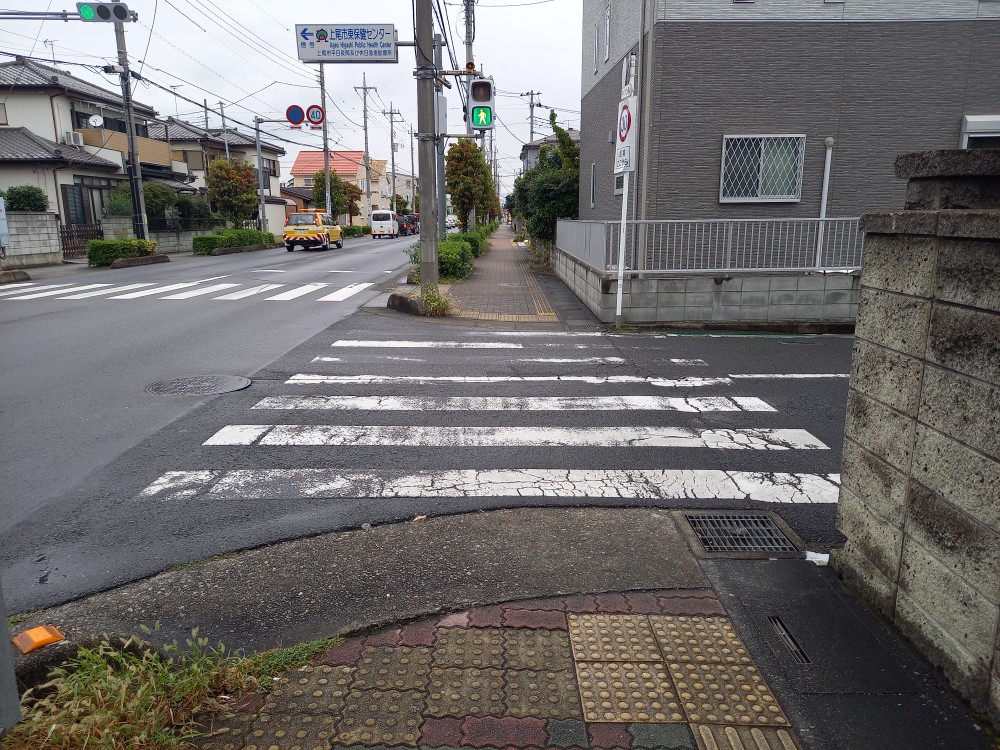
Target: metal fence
<point>178,224</point>
<point>730,245</point>
<point>73,239</point>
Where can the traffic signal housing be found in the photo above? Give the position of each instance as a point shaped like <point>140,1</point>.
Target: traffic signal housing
<point>482,96</point>
<point>104,12</point>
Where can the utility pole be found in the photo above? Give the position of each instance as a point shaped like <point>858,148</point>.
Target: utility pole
<point>470,36</point>
<point>10,706</point>
<point>365,88</point>
<point>139,226</point>
<point>392,147</point>
<point>177,109</point>
<point>206,113</point>
<point>326,141</point>
<point>413,175</point>
<point>531,107</point>
<point>225,135</point>
<point>426,126</point>
<point>439,146</point>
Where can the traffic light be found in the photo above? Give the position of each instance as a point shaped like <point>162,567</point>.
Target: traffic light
<point>482,102</point>
<point>104,12</point>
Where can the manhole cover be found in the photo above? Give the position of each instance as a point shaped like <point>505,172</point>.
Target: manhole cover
<point>200,385</point>
<point>739,532</point>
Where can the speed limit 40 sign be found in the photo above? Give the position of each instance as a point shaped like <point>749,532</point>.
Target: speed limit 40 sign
<point>315,115</point>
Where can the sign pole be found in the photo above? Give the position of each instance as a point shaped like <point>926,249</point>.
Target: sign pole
<point>621,252</point>
<point>326,142</point>
<point>10,707</point>
<point>260,176</point>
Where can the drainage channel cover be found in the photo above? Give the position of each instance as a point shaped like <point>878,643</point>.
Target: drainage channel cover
<point>739,532</point>
<point>201,385</point>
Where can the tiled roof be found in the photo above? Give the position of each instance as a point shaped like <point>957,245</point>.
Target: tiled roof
<point>179,131</point>
<point>378,167</point>
<point>343,163</point>
<point>304,193</point>
<point>20,144</point>
<point>24,73</point>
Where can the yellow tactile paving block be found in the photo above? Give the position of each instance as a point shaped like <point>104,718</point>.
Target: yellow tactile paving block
<point>726,694</point>
<point>612,638</point>
<point>377,717</point>
<point>464,692</point>
<point>310,690</point>
<point>469,647</point>
<point>538,650</point>
<point>707,640</point>
<point>542,694</point>
<point>387,668</point>
<point>291,732</point>
<point>743,738</point>
<point>628,692</point>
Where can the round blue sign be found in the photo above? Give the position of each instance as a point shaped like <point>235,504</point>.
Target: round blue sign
<point>295,114</point>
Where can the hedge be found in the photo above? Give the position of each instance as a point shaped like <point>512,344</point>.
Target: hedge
<point>454,258</point>
<point>206,243</point>
<point>355,230</point>
<point>104,252</point>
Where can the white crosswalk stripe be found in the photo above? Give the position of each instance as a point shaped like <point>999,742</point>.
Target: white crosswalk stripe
<point>244,293</point>
<point>487,403</point>
<point>320,379</point>
<point>23,287</point>
<point>100,292</point>
<point>200,291</point>
<point>342,294</point>
<point>53,292</point>
<point>299,292</point>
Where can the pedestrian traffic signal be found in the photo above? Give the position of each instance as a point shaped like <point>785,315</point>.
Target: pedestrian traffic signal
<point>104,12</point>
<point>482,101</point>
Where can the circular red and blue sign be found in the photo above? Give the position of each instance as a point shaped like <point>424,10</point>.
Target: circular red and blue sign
<point>315,115</point>
<point>624,123</point>
<point>295,114</point>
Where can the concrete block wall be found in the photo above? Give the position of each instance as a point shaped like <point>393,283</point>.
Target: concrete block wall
<point>34,239</point>
<point>756,298</point>
<point>166,242</point>
<point>920,493</point>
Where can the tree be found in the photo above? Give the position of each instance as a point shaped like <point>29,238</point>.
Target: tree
<point>232,190</point>
<point>401,205</point>
<point>158,197</point>
<point>26,198</point>
<point>468,180</point>
<point>550,190</point>
<point>353,194</point>
<point>338,195</point>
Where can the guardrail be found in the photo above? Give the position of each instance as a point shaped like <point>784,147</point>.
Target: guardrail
<point>724,245</point>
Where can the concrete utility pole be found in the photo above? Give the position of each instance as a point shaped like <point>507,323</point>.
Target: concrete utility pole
<point>10,707</point>
<point>225,133</point>
<point>440,118</point>
<point>531,108</point>
<point>326,141</point>
<point>470,36</point>
<point>413,175</point>
<point>392,150</point>
<point>260,172</point>
<point>365,88</point>
<point>426,126</point>
<point>206,113</point>
<point>139,225</point>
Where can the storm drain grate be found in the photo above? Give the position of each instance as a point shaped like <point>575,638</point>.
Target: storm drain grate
<point>739,532</point>
<point>788,639</point>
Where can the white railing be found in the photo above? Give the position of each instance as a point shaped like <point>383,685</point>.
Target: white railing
<point>724,245</point>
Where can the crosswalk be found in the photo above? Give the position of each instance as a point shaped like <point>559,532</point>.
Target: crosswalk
<point>225,291</point>
<point>542,436</point>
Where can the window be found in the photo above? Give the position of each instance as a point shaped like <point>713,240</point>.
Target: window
<point>980,131</point>
<point>3,114</point>
<point>597,45</point>
<point>308,181</point>
<point>593,184</point>
<point>607,32</point>
<point>761,168</point>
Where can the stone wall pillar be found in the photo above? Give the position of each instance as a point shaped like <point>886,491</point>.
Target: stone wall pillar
<point>920,494</point>
<point>34,239</point>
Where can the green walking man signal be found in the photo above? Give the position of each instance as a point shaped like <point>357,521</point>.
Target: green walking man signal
<point>104,12</point>
<point>482,97</point>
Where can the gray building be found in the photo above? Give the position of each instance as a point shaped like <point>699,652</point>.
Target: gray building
<point>530,150</point>
<point>740,99</point>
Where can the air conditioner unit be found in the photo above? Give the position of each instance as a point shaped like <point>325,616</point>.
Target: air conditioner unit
<point>72,138</point>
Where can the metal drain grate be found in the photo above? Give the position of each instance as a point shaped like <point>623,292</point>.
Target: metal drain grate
<point>788,639</point>
<point>739,532</point>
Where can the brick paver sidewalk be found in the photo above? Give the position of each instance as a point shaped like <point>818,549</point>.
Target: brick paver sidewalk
<point>654,670</point>
<point>501,286</point>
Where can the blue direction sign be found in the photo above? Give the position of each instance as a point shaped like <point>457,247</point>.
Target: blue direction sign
<point>295,114</point>
<point>347,43</point>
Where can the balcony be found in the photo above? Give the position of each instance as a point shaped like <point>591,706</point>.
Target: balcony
<point>150,151</point>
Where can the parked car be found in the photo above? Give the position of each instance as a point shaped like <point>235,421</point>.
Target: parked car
<point>384,224</point>
<point>312,229</point>
<point>451,221</point>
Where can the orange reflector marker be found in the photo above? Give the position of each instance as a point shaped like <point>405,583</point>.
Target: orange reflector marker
<point>43,635</point>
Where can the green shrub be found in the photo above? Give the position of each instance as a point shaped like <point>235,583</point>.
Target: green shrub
<point>436,303</point>
<point>356,231</point>
<point>118,205</point>
<point>26,198</point>
<point>103,252</point>
<point>454,258</point>
<point>474,239</point>
<point>206,243</point>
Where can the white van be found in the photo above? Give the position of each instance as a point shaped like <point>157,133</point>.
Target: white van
<point>384,224</point>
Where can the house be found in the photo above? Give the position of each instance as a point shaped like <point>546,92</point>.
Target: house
<point>407,186</point>
<point>740,99</point>
<point>197,147</point>
<point>67,136</point>
<point>529,151</point>
<point>298,199</point>
<point>350,167</point>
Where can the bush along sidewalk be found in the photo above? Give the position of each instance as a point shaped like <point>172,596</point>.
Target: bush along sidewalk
<point>105,252</point>
<point>204,244</point>
<point>352,230</point>
<point>456,252</point>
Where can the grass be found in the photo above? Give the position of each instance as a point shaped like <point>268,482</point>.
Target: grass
<point>18,619</point>
<point>128,695</point>
<point>438,303</point>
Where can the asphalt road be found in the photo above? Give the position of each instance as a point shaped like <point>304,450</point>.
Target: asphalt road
<point>348,428</point>
<point>75,372</point>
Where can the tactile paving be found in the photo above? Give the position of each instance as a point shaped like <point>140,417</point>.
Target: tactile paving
<point>469,647</point>
<point>612,638</point>
<point>465,692</point>
<point>710,737</point>
<point>538,650</point>
<point>387,668</point>
<point>311,690</point>
<point>291,732</point>
<point>708,640</point>
<point>726,694</point>
<point>627,692</point>
<point>543,694</point>
<point>381,717</point>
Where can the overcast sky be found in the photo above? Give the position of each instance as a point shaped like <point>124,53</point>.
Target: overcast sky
<point>243,53</point>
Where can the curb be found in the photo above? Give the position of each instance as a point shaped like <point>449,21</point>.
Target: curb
<point>11,277</point>
<point>243,249</point>
<point>405,304</point>
<point>145,260</point>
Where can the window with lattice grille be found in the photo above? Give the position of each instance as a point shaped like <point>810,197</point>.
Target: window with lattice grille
<point>760,168</point>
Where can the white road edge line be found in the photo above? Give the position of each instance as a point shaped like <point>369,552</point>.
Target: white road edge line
<point>352,344</point>
<point>788,376</point>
